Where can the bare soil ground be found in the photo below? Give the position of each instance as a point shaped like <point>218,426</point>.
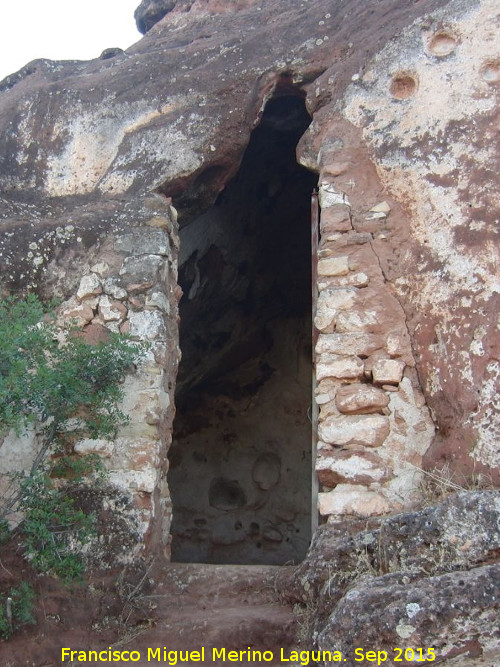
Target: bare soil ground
<point>182,607</point>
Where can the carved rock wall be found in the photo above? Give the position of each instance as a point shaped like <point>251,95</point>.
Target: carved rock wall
<point>404,102</point>
<point>408,251</point>
<point>427,106</point>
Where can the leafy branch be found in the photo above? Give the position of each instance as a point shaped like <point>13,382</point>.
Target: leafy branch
<point>54,382</point>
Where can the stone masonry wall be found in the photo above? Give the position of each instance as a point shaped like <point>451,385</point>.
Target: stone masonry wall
<point>374,426</point>
<point>408,254</point>
<point>127,284</point>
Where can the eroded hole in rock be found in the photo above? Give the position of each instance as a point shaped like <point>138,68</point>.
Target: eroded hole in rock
<point>240,463</point>
<point>403,85</point>
<point>442,44</point>
<point>490,72</point>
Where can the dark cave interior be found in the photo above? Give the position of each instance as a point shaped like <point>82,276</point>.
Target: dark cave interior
<point>240,461</point>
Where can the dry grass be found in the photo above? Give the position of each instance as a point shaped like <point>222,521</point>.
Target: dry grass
<point>440,483</point>
<point>306,615</point>
<point>134,600</point>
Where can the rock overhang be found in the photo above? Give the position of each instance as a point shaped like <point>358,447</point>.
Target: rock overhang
<point>187,94</point>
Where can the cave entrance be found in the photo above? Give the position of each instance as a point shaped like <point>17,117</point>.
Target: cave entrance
<point>240,462</point>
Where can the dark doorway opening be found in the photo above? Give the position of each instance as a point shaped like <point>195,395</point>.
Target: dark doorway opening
<point>240,462</point>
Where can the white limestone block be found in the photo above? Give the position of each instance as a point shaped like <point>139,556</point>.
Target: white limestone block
<point>348,499</point>
<point>333,266</point>
<point>388,371</point>
<point>90,285</point>
<point>366,430</point>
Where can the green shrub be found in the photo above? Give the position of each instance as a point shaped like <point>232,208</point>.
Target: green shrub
<point>75,468</point>
<point>5,533</point>
<point>48,383</point>
<point>53,526</point>
<point>21,609</point>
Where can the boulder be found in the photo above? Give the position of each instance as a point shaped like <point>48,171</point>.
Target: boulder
<point>422,579</point>
<point>453,617</point>
<point>150,12</point>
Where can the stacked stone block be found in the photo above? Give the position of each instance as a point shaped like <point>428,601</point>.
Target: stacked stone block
<point>131,288</point>
<point>373,425</point>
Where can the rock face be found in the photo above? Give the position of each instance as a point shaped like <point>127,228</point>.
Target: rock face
<point>451,309</point>
<point>150,12</point>
<point>403,102</point>
<point>423,579</point>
